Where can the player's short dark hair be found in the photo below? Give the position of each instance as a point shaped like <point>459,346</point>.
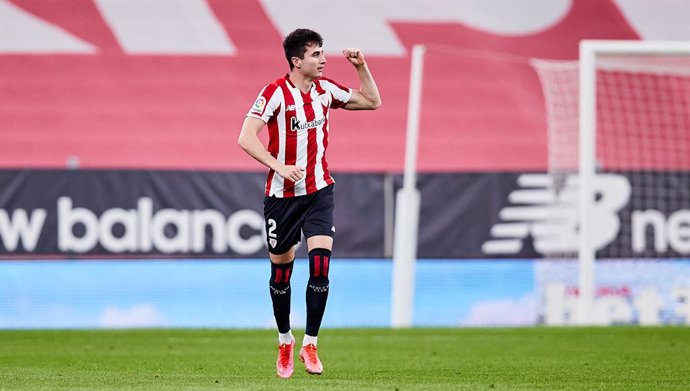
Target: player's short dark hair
<point>295,44</point>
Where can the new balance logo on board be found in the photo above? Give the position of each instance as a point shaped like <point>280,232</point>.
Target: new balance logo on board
<point>547,212</point>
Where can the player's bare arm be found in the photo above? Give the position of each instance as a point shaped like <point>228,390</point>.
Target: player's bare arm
<point>367,97</point>
<point>250,142</point>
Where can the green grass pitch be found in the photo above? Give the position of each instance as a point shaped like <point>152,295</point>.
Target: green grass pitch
<point>613,358</point>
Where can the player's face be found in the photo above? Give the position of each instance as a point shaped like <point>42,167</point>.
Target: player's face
<point>314,61</point>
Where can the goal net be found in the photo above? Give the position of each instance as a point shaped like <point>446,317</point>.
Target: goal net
<point>619,159</point>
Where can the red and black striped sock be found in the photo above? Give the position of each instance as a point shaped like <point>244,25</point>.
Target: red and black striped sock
<point>317,289</point>
<point>279,286</point>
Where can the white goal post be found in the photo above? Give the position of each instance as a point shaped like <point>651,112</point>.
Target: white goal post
<point>590,52</point>
<point>407,205</point>
<point>619,159</point>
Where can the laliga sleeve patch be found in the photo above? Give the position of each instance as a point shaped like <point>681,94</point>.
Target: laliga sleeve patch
<point>259,106</point>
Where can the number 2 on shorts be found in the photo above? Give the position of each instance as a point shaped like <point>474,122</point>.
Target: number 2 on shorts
<point>272,228</point>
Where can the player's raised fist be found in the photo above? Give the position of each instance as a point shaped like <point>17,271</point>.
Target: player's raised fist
<point>354,55</point>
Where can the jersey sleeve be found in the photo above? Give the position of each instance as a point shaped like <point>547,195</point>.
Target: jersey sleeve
<point>341,95</point>
<point>266,103</point>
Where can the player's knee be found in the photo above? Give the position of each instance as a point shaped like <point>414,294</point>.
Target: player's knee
<point>281,274</point>
<point>319,262</point>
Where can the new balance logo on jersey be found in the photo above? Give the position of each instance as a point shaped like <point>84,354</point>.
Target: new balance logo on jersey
<point>548,214</point>
<point>295,125</point>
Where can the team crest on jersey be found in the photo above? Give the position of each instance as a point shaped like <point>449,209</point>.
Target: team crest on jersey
<point>259,105</point>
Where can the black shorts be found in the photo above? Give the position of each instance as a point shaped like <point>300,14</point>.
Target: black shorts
<point>286,218</point>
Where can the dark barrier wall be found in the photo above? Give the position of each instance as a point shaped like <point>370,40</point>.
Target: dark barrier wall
<point>86,214</point>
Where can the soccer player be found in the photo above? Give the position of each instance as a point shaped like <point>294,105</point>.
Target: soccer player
<point>299,188</point>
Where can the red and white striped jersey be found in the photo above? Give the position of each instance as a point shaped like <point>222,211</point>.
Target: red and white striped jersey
<point>298,131</point>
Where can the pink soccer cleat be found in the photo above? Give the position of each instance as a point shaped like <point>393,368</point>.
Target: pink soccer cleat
<point>310,359</point>
<point>286,362</point>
